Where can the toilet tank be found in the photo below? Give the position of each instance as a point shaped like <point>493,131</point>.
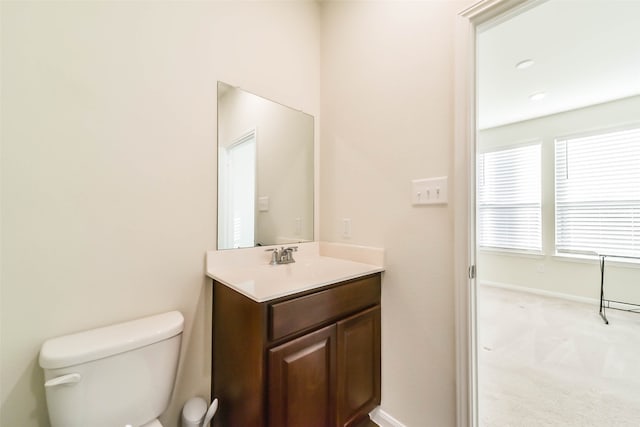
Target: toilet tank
<point>119,375</point>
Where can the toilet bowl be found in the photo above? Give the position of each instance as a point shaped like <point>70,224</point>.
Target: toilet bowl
<point>119,375</point>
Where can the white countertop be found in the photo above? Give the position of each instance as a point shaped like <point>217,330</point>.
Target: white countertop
<point>248,270</point>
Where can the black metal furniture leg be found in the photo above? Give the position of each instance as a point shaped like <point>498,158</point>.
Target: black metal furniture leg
<point>602,309</point>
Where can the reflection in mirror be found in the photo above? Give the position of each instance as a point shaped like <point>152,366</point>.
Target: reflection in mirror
<point>265,171</point>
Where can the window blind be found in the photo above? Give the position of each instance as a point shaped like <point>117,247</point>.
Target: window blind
<point>598,193</point>
<point>509,199</point>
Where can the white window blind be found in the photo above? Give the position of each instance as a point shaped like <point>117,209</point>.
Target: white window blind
<point>509,199</point>
<point>598,193</point>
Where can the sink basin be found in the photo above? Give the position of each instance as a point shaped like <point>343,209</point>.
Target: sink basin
<point>261,281</point>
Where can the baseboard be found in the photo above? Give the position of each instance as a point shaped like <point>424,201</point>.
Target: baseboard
<point>541,292</point>
<point>616,305</point>
<point>383,419</point>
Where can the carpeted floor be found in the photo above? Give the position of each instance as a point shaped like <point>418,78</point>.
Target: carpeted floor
<point>550,362</point>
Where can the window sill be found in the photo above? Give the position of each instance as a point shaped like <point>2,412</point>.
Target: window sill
<point>512,252</point>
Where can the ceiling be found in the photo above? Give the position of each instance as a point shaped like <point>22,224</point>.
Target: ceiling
<point>585,52</point>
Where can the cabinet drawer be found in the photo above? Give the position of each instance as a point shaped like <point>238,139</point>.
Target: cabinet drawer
<point>288,317</point>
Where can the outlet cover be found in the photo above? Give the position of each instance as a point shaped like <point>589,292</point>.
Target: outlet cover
<point>297,226</point>
<point>346,228</point>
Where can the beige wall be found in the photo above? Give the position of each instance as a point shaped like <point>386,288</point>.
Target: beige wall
<point>387,100</point>
<point>108,170</point>
<point>109,165</point>
<point>548,272</point>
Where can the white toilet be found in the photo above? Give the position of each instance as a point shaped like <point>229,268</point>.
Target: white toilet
<point>117,376</point>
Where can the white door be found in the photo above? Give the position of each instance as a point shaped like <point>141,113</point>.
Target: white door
<point>238,194</point>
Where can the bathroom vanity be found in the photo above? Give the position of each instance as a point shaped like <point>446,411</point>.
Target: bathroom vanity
<point>296,345</point>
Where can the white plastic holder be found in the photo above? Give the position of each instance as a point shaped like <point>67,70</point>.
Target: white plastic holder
<point>210,413</point>
<point>195,413</point>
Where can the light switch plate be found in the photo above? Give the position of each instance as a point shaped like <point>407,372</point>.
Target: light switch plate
<point>429,191</point>
<point>263,204</point>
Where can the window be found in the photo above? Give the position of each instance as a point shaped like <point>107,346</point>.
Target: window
<point>598,193</point>
<point>509,199</point>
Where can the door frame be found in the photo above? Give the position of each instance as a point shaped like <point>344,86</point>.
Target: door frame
<point>464,198</point>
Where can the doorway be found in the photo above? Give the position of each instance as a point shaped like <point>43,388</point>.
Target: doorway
<point>238,192</point>
<point>518,247</point>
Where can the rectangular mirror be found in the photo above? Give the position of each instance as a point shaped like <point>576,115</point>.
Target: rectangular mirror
<point>265,171</point>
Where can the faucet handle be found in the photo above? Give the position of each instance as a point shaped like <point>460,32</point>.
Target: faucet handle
<point>274,255</point>
<point>287,254</point>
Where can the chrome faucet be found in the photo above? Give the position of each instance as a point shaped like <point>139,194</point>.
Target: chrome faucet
<point>283,256</point>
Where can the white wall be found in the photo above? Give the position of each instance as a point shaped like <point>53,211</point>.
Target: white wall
<point>109,165</point>
<point>547,272</point>
<point>387,101</point>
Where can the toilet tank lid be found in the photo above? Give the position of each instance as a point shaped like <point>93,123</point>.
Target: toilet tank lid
<point>94,344</point>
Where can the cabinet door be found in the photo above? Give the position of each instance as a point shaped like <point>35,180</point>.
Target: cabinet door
<point>302,381</point>
<point>358,366</point>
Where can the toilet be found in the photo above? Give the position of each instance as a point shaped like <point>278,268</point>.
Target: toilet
<point>117,376</point>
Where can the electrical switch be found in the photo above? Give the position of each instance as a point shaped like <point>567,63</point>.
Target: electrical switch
<point>429,191</point>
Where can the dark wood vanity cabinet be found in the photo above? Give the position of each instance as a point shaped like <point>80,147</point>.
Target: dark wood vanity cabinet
<point>358,366</point>
<point>302,378</point>
<point>310,359</point>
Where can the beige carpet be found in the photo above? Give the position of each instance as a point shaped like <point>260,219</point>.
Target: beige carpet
<point>550,362</point>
